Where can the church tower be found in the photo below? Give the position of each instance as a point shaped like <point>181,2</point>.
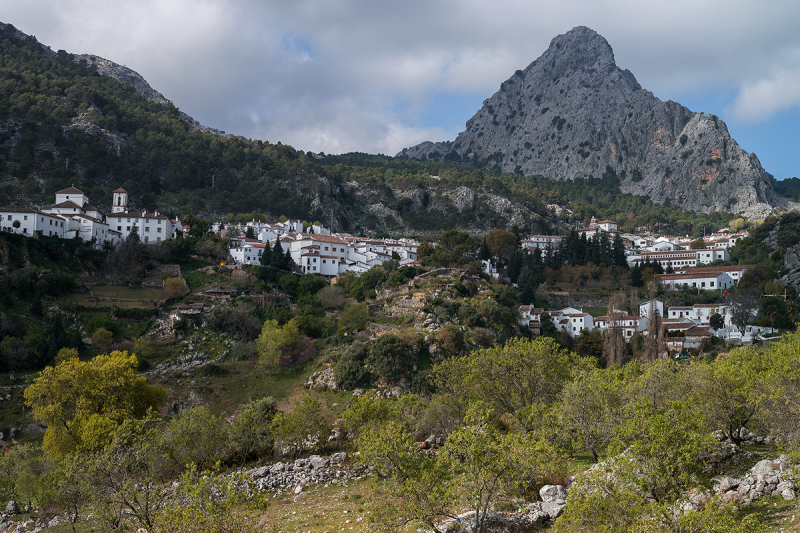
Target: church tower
<point>120,201</point>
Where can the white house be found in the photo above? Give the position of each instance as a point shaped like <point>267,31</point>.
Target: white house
<point>607,225</point>
<point>735,272</point>
<point>700,281</point>
<point>320,254</point>
<point>541,242</point>
<point>657,305</point>
<point>529,313</point>
<point>248,254</point>
<point>679,259</point>
<point>32,220</point>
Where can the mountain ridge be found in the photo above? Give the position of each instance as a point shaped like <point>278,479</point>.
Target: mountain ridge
<point>573,113</point>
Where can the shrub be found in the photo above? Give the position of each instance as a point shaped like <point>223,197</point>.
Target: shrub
<point>392,358</point>
<point>303,428</point>
<point>350,371</point>
<point>238,321</point>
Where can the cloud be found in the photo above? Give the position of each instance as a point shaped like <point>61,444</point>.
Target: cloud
<point>357,75</point>
<point>778,90</point>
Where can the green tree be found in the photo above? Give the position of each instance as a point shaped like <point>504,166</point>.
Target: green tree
<point>414,488</point>
<point>350,370</point>
<point>591,407</point>
<point>250,430</point>
<point>488,464</point>
<point>175,287</point>
<point>392,358</point>
<point>102,338</point>
<point>274,341</point>
<point>501,243</point>
<point>450,339</point>
<point>305,427</point>
<point>353,318</point>
<point>196,437</point>
<point>716,321</point>
<point>212,503</point>
<point>502,376</point>
<point>83,402</point>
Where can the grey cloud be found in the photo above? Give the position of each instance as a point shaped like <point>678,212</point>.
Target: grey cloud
<point>244,67</point>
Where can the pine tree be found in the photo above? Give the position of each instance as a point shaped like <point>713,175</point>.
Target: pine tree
<point>278,260</point>
<point>618,253</point>
<point>485,254</point>
<point>527,285</point>
<point>266,257</point>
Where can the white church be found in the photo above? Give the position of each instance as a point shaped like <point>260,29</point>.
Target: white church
<point>72,215</point>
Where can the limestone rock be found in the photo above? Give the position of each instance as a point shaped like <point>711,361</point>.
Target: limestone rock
<point>12,508</point>
<point>573,113</point>
<point>553,493</point>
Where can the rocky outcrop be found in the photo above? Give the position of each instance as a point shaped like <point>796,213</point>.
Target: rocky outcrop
<point>123,74</point>
<point>573,113</point>
<point>765,479</point>
<point>293,477</point>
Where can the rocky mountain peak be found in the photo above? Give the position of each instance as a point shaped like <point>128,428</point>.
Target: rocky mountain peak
<point>573,113</point>
<point>581,48</point>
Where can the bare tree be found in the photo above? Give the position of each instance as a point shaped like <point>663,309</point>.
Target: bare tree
<point>614,349</point>
<point>743,308</point>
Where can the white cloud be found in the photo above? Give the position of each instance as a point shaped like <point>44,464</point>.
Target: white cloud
<point>355,74</point>
<point>777,91</point>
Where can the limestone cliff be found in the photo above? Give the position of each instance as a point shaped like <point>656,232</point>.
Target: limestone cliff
<point>573,113</point>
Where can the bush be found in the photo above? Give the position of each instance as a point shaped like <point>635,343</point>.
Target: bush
<point>391,357</point>
<point>332,297</point>
<point>238,321</point>
<point>303,428</point>
<point>101,321</point>
<point>196,437</point>
<point>251,436</point>
<point>243,351</point>
<point>350,371</point>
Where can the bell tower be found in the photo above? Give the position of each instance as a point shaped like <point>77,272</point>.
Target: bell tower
<point>119,201</point>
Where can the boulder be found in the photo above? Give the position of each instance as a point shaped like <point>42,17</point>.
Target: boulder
<point>786,490</point>
<point>726,484</point>
<point>553,509</point>
<point>316,462</point>
<point>338,458</point>
<point>762,467</point>
<point>261,472</point>
<point>553,493</point>
<point>12,507</point>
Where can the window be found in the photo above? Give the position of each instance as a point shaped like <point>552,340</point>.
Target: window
<point>25,217</point>
<point>147,229</point>
<point>159,229</point>
<point>127,228</point>
<point>326,248</point>
<point>119,228</point>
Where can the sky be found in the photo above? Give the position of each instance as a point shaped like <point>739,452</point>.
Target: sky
<point>376,76</point>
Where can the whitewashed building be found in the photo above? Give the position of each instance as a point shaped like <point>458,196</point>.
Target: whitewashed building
<point>700,281</point>
<point>32,221</point>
